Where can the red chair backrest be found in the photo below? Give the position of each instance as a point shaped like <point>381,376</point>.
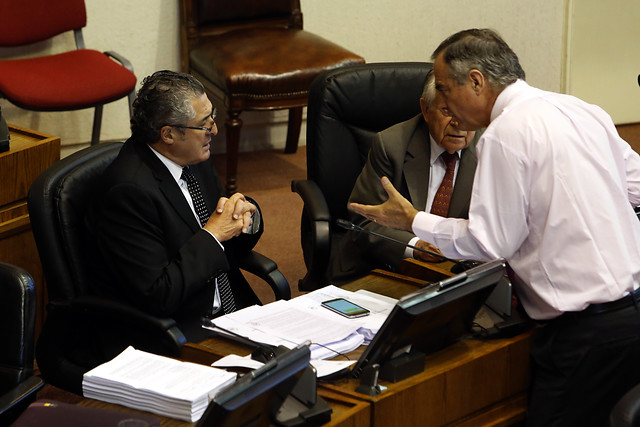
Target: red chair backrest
<point>28,21</point>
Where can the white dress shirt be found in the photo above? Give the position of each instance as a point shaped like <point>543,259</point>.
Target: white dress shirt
<point>553,194</point>
<point>437,170</point>
<point>176,172</point>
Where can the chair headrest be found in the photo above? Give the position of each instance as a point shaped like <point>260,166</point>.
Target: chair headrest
<point>58,200</point>
<point>346,108</point>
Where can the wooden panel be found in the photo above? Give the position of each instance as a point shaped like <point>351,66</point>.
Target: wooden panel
<point>29,155</point>
<point>472,382</point>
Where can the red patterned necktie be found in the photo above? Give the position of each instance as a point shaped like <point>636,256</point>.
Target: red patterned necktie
<point>442,198</point>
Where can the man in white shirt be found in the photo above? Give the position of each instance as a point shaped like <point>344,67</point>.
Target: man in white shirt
<point>553,194</point>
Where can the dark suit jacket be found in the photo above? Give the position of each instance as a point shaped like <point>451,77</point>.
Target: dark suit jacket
<point>402,153</point>
<point>157,256</point>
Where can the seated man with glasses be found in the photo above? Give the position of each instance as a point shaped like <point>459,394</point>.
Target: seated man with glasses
<point>167,236</point>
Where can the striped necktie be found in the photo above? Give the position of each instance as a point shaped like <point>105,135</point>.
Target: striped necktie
<point>224,287</point>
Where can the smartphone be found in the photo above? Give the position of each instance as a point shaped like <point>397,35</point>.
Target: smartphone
<point>345,308</point>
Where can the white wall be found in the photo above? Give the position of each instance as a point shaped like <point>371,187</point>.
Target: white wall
<point>146,32</point>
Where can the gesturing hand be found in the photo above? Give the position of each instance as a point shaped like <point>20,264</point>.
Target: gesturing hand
<point>397,212</point>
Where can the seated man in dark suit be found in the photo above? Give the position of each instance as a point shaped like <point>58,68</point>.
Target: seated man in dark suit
<point>411,154</point>
<point>167,235</point>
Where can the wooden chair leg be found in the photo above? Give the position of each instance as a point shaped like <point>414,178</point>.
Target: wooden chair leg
<point>293,130</point>
<point>233,126</point>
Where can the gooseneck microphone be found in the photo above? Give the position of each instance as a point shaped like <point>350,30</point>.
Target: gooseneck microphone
<point>262,353</point>
<point>459,266</point>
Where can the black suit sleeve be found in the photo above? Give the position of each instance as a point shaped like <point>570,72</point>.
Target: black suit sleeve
<point>159,261</point>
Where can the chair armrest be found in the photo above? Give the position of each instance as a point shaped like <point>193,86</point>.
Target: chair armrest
<point>121,59</point>
<point>20,396</point>
<point>63,368</point>
<point>315,231</point>
<point>314,202</point>
<point>267,270</point>
<point>105,308</point>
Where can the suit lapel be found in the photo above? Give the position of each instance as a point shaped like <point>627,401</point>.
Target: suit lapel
<point>168,187</point>
<point>416,175</point>
<point>459,206</point>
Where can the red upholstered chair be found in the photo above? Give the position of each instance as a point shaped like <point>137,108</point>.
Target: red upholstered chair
<point>254,55</point>
<point>73,80</point>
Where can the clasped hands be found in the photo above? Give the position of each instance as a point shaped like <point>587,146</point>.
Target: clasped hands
<point>232,217</point>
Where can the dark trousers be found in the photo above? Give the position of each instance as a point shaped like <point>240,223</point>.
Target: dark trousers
<point>582,364</point>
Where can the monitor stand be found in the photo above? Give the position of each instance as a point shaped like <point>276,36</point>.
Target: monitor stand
<point>303,406</point>
<point>397,369</point>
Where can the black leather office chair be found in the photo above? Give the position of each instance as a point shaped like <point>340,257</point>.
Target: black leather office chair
<point>18,385</point>
<point>347,107</point>
<point>626,413</point>
<point>77,321</point>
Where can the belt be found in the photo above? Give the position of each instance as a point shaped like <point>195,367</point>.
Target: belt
<point>632,299</point>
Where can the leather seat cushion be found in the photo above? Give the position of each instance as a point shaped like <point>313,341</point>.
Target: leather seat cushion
<point>267,62</point>
<point>66,81</point>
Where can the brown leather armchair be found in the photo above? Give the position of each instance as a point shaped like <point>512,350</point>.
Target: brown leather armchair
<point>254,55</point>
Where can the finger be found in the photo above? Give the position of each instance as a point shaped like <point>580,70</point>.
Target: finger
<point>247,222</point>
<point>241,207</point>
<point>221,202</point>
<point>388,187</point>
<point>360,209</point>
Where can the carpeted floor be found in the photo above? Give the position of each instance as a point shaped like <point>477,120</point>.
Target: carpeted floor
<point>266,177</point>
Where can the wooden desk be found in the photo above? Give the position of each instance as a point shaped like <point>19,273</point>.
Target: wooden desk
<point>30,154</point>
<point>347,411</point>
<point>473,382</point>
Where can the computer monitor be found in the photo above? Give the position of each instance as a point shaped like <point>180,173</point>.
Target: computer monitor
<point>255,398</point>
<point>428,320</point>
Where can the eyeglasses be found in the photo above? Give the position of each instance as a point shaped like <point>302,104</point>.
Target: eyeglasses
<point>208,129</point>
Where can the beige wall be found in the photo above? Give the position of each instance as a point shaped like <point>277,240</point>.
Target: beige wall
<point>603,52</point>
<point>146,32</point>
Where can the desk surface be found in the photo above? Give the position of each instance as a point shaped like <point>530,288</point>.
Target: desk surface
<point>473,382</point>
<point>347,411</point>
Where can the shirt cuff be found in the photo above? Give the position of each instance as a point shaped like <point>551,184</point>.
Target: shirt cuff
<point>423,225</point>
<point>408,252</point>
<point>210,233</point>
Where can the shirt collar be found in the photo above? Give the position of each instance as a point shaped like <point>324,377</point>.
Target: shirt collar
<point>437,150</point>
<point>508,94</point>
<point>174,169</point>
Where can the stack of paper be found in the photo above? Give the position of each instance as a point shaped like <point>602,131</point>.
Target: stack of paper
<point>157,384</point>
<point>291,323</point>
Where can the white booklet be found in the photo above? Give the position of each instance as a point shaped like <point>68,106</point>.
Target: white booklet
<point>157,384</point>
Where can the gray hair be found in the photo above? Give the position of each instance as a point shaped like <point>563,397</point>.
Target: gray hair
<point>164,99</point>
<point>429,90</point>
<point>483,50</point>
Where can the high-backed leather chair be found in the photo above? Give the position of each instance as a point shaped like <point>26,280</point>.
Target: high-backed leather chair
<point>347,107</point>
<point>18,385</point>
<point>254,55</point>
<point>73,80</point>
<point>77,322</point>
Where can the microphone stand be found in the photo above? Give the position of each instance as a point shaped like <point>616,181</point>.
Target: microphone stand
<point>459,266</point>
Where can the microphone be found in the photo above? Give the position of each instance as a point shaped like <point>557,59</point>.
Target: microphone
<point>262,353</point>
<point>459,266</point>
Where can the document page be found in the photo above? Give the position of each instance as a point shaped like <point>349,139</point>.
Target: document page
<point>158,384</point>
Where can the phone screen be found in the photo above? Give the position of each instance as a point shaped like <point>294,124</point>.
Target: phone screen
<point>345,308</point>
